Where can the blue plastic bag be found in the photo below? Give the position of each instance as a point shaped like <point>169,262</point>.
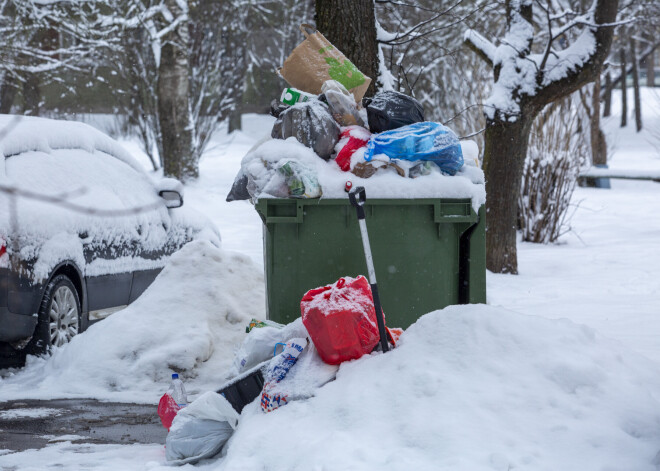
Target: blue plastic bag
<point>419,141</point>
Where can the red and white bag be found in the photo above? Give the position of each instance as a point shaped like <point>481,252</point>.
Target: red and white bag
<point>341,319</point>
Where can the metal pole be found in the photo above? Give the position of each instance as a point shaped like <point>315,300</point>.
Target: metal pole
<point>358,201</point>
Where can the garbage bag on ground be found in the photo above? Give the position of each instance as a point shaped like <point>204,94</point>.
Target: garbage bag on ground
<point>316,60</point>
<point>311,124</point>
<point>342,104</point>
<point>201,429</point>
<point>391,110</point>
<point>341,319</point>
<point>167,410</point>
<point>353,138</point>
<point>273,397</point>
<point>258,345</point>
<point>420,141</point>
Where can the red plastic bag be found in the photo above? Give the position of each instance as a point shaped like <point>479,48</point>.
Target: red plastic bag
<point>341,319</point>
<point>167,410</point>
<point>358,137</point>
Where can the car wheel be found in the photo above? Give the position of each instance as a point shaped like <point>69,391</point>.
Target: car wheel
<point>59,316</point>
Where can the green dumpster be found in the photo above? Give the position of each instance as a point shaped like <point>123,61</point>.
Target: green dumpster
<point>428,253</point>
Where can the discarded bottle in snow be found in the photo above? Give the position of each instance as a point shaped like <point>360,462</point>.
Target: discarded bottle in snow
<point>178,391</point>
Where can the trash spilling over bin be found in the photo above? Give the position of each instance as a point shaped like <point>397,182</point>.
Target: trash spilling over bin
<point>426,192</point>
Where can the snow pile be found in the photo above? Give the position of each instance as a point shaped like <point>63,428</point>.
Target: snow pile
<point>188,321</point>
<point>470,388</point>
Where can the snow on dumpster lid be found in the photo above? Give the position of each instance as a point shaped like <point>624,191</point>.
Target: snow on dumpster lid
<point>467,183</point>
<point>19,134</point>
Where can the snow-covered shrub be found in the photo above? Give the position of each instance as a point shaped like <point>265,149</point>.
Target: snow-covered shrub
<point>558,146</point>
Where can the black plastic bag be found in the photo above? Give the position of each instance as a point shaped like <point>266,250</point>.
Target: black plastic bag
<point>391,110</point>
<point>311,124</point>
<point>239,189</point>
<point>276,108</point>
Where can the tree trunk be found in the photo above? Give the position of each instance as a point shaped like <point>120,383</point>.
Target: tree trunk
<point>7,94</point>
<point>608,95</point>
<point>350,25</point>
<point>635,74</point>
<point>598,142</point>
<point>650,70</point>
<point>31,95</point>
<point>505,149</point>
<point>173,105</point>
<point>624,90</point>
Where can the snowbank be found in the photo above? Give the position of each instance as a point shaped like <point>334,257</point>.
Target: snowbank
<point>188,321</point>
<point>470,388</point>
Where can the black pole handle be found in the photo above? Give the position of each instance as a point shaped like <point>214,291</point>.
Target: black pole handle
<point>358,197</point>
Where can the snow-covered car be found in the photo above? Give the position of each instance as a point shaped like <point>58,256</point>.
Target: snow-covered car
<point>84,230</point>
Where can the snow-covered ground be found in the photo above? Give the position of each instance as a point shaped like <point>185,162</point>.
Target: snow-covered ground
<point>561,371</point>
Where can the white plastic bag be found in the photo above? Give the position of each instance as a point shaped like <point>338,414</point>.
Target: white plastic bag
<point>342,104</point>
<point>200,430</point>
<point>259,344</point>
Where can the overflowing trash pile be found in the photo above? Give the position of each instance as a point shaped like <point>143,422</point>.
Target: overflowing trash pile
<point>326,134</point>
<point>276,364</point>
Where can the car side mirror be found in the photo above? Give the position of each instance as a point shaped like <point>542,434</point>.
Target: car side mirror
<point>173,199</point>
<point>171,190</point>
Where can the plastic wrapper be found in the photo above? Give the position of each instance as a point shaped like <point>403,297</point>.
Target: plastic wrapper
<point>259,344</point>
<point>311,124</point>
<point>391,110</point>
<point>420,141</point>
<point>272,396</point>
<point>342,104</point>
<point>200,430</point>
<point>283,179</point>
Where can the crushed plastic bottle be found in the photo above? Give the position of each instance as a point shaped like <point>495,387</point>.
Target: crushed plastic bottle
<point>178,391</point>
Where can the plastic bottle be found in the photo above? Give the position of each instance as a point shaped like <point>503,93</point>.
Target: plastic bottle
<point>178,391</point>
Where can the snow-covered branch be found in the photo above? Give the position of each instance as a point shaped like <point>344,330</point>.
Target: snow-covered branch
<point>480,45</point>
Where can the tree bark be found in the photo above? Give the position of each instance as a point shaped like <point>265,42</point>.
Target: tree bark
<point>624,90</point>
<point>650,70</point>
<point>31,95</point>
<point>173,102</point>
<point>350,25</point>
<point>598,142</point>
<point>608,95</point>
<point>7,94</point>
<point>504,157</point>
<point>636,93</point>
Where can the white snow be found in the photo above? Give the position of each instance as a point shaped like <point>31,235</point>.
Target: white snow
<point>470,388</point>
<point>30,413</point>
<point>560,371</point>
<point>188,321</point>
<point>21,134</point>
